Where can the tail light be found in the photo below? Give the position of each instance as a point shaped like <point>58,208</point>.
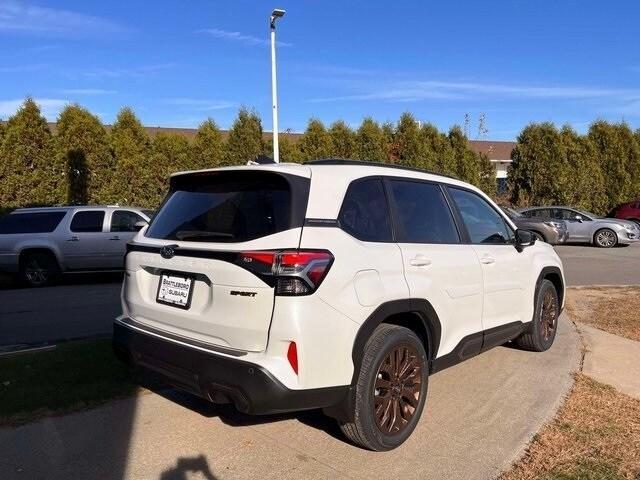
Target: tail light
<point>291,272</point>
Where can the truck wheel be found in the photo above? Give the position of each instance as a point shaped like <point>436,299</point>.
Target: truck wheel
<point>542,332</point>
<point>391,389</point>
<point>605,238</point>
<point>38,269</point>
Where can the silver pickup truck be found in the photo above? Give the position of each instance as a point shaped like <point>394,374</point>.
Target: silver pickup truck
<point>40,243</point>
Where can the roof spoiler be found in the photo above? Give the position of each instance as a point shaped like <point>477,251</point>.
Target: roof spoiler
<point>261,160</point>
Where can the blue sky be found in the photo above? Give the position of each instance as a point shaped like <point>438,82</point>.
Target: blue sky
<point>178,62</point>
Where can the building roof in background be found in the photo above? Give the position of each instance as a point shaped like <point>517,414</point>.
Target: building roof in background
<point>495,150</point>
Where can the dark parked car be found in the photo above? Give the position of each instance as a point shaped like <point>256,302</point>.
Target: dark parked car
<point>628,211</point>
<point>546,230</point>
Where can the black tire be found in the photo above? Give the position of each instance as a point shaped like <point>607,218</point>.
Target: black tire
<point>369,429</point>
<point>38,269</point>
<point>542,331</point>
<point>605,238</point>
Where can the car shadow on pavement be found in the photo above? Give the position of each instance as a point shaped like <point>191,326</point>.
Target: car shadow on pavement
<point>9,282</point>
<point>228,414</point>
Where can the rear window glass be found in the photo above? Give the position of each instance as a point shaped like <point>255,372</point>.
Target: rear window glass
<point>228,207</point>
<point>41,222</point>
<point>365,212</point>
<point>88,222</point>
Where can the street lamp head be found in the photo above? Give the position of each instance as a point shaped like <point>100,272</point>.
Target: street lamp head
<point>277,13</point>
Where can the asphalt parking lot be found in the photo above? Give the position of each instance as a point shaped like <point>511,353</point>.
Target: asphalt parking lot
<point>84,305</point>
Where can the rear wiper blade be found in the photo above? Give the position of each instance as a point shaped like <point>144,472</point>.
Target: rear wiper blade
<point>186,234</point>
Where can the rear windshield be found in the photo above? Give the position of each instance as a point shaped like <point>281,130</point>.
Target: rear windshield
<point>230,207</point>
<point>36,222</point>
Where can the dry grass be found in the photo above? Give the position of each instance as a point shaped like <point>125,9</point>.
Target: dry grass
<point>612,309</point>
<point>596,435</point>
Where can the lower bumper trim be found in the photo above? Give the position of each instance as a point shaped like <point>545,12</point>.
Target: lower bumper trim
<point>250,387</point>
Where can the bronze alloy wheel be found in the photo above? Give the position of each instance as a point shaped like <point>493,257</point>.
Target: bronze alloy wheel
<point>549,314</point>
<point>397,389</point>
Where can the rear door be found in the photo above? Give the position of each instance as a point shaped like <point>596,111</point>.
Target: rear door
<point>437,265</point>
<point>505,271</point>
<point>85,245</point>
<point>579,230</point>
<point>213,227</point>
<point>122,229</point>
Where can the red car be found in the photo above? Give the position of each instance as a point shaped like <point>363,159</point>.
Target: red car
<point>629,211</point>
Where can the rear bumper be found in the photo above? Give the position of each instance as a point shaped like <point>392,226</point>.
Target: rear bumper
<point>217,378</point>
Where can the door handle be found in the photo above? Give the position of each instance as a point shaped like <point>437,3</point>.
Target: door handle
<point>115,237</point>
<point>73,238</point>
<point>420,261</point>
<point>487,260</point>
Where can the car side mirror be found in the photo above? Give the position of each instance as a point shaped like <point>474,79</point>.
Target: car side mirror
<point>524,238</point>
<point>578,218</point>
<point>140,224</point>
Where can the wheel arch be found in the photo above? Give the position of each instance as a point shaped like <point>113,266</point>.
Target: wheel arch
<point>416,314</point>
<point>611,228</point>
<point>538,232</point>
<point>554,275</point>
<point>38,249</point>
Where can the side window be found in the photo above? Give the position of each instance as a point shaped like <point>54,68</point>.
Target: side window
<point>40,222</point>
<point>89,221</point>
<point>365,212</point>
<point>423,213</point>
<point>125,221</point>
<point>483,223</point>
<point>541,213</point>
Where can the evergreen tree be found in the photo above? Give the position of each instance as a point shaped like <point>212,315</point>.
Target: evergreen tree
<point>392,149</point>
<point>409,143</point>
<point>585,186</point>
<point>315,142</point>
<point>616,155</point>
<point>537,173</point>
<point>289,151</point>
<point>133,180</point>
<point>371,145</point>
<point>487,174</point>
<point>170,153</point>
<point>83,148</point>
<point>466,164</point>
<point>245,138</point>
<point>438,154</point>
<point>29,171</point>
<point>343,140</point>
<point>208,146</point>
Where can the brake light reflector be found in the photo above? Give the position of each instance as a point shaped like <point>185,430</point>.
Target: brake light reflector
<point>292,356</point>
<point>294,272</point>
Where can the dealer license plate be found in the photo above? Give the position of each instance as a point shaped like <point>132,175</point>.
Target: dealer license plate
<point>175,290</point>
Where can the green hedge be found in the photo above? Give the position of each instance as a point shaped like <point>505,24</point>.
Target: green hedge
<point>83,163</point>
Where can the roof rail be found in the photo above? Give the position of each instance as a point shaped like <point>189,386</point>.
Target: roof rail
<point>338,161</point>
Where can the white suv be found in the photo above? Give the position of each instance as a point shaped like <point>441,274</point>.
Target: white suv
<point>335,284</point>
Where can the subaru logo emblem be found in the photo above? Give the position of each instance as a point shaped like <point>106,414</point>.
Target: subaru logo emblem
<point>168,251</point>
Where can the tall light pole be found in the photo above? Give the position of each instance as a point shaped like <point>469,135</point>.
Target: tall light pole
<point>276,14</point>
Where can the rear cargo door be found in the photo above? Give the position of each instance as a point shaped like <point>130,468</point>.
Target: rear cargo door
<point>187,277</point>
